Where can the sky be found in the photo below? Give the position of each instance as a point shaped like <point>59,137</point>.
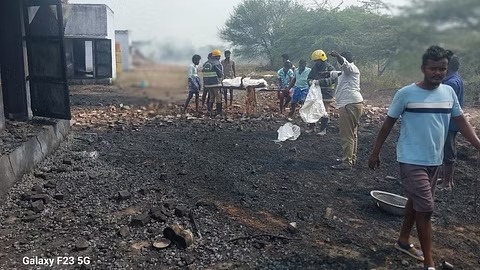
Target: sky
<point>190,21</point>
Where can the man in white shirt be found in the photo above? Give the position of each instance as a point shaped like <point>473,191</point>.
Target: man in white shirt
<point>349,103</point>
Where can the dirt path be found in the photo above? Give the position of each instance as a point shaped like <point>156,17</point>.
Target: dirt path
<point>235,180</point>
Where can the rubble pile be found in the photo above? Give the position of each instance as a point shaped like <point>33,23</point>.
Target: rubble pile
<point>374,114</point>
<point>115,116</point>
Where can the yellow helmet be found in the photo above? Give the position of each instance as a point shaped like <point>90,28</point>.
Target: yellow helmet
<point>216,53</point>
<point>319,55</point>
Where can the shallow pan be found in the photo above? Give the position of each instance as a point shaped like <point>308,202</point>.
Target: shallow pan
<point>389,202</point>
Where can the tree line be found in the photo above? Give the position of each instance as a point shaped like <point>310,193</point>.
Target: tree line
<point>385,41</point>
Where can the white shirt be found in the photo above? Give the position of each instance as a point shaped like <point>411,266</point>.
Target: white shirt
<point>192,71</point>
<point>348,87</point>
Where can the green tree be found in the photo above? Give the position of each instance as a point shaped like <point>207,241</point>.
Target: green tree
<point>254,26</point>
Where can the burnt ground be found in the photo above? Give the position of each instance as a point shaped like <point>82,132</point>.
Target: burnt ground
<point>235,180</point>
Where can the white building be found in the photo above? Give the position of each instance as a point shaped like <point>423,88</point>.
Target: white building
<point>89,43</point>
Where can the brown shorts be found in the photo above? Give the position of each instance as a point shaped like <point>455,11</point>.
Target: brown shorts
<point>419,183</point>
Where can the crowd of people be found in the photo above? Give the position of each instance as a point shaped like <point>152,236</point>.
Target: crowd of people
<point>431,113</point>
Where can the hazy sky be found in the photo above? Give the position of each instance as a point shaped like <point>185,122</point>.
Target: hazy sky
<point>193,21</point>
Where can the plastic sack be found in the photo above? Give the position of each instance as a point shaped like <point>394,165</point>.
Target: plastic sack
<point>313,108</point>
<point>288,132</point>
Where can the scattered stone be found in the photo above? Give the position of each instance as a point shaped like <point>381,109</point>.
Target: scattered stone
<point>59,196</point>
<point>292,227</point>
<point>50,184</point>
<point>81,244</point>
<point>61,169</point>
<point>181,211</point>
<point>188,259</point>
<point>328,213</point>
<point>40,175</point>
<point>182,172</point>
<point>37,188</point>
<point>157,214</point>
<point>163,176</point>
<point>140,220</point>
<point>44,197</point>
<point>144,191</point>
<point>46,169</point>
<point>30,216</point>
<point>77,169</point>
<point>37,206</point>
<point>259,244</point>
<point>388,177</point>
<point>27,195</point>
<point>10,220</point>
<point>124,195</point>
<point>124,231</point>
<point>67,162</point>
<point>405,263</point>
<point>170,204</point>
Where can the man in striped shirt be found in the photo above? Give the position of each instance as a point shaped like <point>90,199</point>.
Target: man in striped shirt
<point>426,108</point>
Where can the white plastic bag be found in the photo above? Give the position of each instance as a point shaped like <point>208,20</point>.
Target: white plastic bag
<point>288,132</point>
<point>313,108</point>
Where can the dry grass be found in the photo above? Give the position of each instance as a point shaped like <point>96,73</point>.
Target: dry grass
<point>165,82</point>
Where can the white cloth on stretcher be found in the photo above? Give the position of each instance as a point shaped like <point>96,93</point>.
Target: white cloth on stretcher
<point>236,82</point>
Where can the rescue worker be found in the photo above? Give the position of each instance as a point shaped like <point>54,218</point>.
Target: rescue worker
<point>321,73</point>
<point>212,80</point>
<point>205,95</point>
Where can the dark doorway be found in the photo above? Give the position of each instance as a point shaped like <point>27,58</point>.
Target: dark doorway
<point>46,58</point>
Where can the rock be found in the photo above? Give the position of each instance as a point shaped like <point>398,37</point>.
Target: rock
<point>40,175</point>
<point>405,263</point>
<point>163,176</point>
<point>188,259</point>
<point>158,215</point>
<point>37,188</point>
<point>50,184</point>
<point>292,227</point>
<point>67,162</point>
<point>328,213</point>
<point>181,211</point>
<point>43,197</point>
<point>124,195</point>
<point>388,177</point>
<point>27,195</point>
<point>259,244</point>
<point>124,231</point>
<point>170,204</point>
<point>81,244</point>
<point>144,191</point>
<point>30,216</point>
<point>140,220</point>
<point>46,169</point>
<point>59,196</point>
<point>37,206</point>
<point>182,172</point>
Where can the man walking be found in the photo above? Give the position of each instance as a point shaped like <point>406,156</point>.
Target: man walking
<point>426,108</point>
<point>300,85</point>
<point>349,103</point>
<point>450,150</point>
